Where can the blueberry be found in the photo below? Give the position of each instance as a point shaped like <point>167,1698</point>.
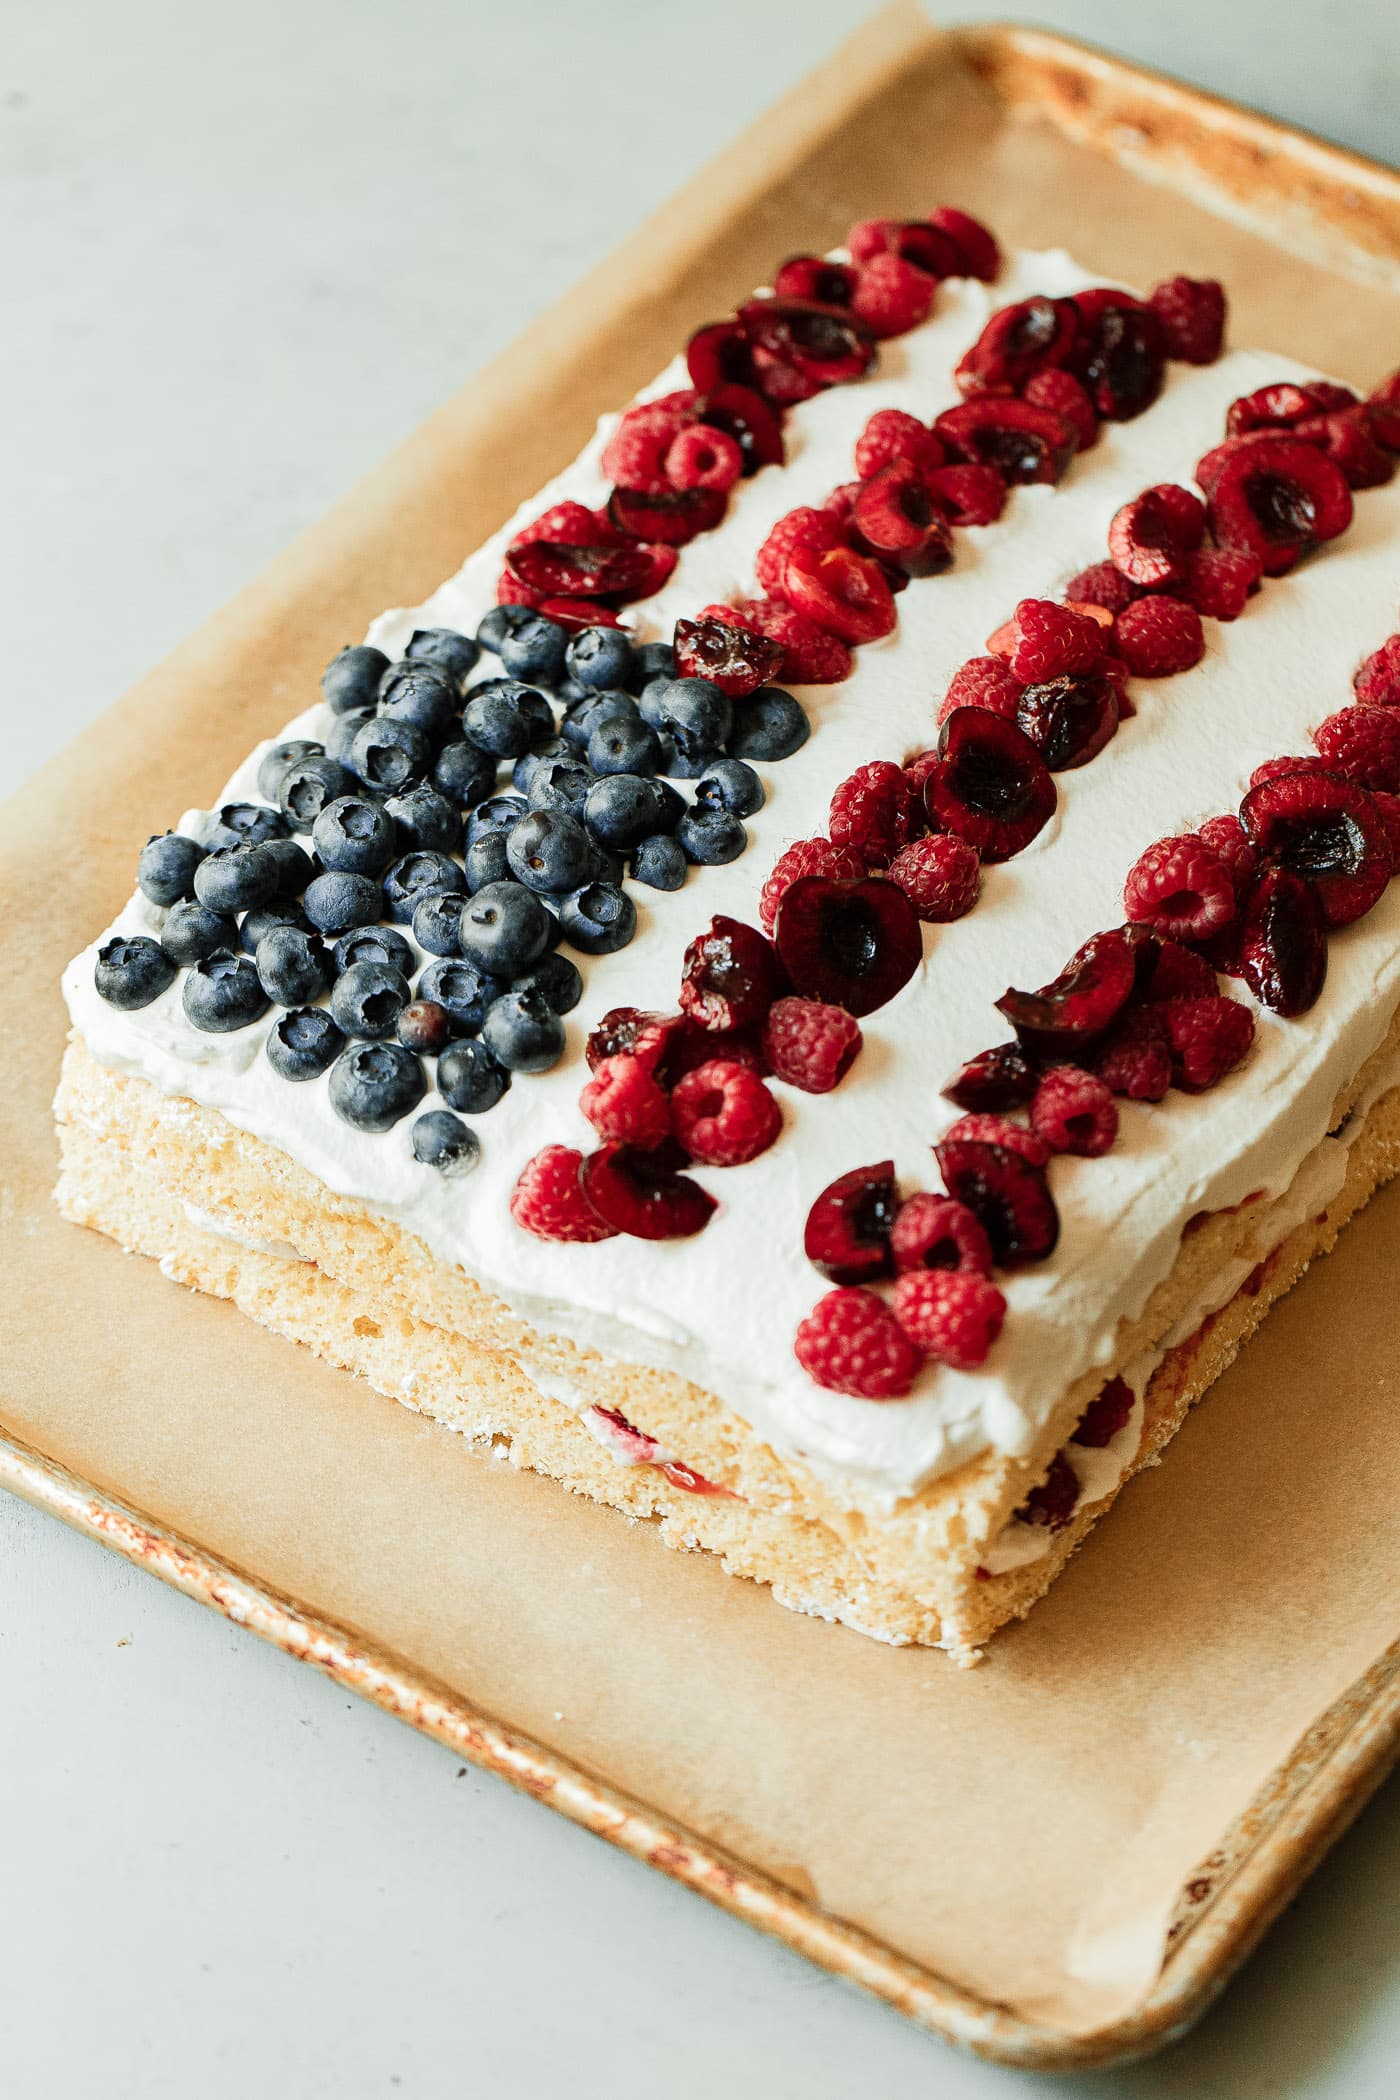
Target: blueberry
<point>425,819</point>
<point>470,1079</point>
<point>132,970</point>
<point>652,660</point>
<point>309,784</point>
<point>620,745</point>
<point>241,822</point>
<point>421,693</point>
<point>373,1084</point>
<point>660,862</point>
<point>335,903</point>
<point>457,654</point>
<point>382,944</point>
<point>523,770</point>
<point>534,649</point>
<point>276,759</point>
<point>223,992</point>
<point>436,919</point>
<point>292,966</point>
<point>192,931</point>
<point>464,989</point>
<point>651,699</point>
<point>599,919</point>
<point>443,1141</point>
<point>711,837</point>
<point>425,1025</point>
<point>599,657</point>
<point>341,735</point>
<point>165,870</point>
<point>368,998</point>
<point>354,836</point>
<point>497,813</point>
<point>486,861</point>
<point>550,851</point>
<point>293,863</point>
<point>301,1044</point>
<point>266,919</point>
<point>556,979</point>
<point>236,878</point>
<point>584,716</point>
<point>730,784</point>
<point>506,718</point>
<point>771,726</point>
<point>696,716</point>
<point>388,755</point>
<point>464,773</point>
<point>560,784</point>
<point>352,678</point>
<point>523,1032</point>
<point>623,809</point>
<point>504,929</point>
<point>501,621</point>
<point>568,690</point>
<point>417,875</point>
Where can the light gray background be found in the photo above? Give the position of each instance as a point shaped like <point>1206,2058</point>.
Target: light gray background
<point>245,249</point>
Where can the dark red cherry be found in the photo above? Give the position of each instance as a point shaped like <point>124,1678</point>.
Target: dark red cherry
<point>637,1195</point>
<point>851,944</point>
<point>991,786</point>
<point>1008,1196</point>
<point>848,1229</point>
<point>994,1081</point>
<point>733,658</point>
<point>1069,1013</point>
<point>1282,942</point>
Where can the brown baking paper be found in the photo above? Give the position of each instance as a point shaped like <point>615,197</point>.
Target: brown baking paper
<point>1023,1829</point>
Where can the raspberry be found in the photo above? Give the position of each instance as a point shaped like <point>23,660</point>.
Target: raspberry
<point>1208,1038</point>
<point>1191,311</point>
<point>1053,1503</point>
<point>891,434</point>
<point>1348,438</point>
<point>1073,1111</point>
<point>1276,768</point>
<point>998,1130</point>
<point>968,495</point>
<point>1044,640</point>
<point>1061,391</point>
<point>1135,1058</point>
<point>851,1342</point>
<point>811,656</point>
<point>1180,889</point>
<point>1389,807</point>
<point>635,455</point>
<point>1220,580</point>
<point>978,253</point>
<point>892,295</point>
<point>723,1114</point>
<point>806,857</point>
<point>983,681</point>
<point>1227,839</point>
<point>571,524</point>
<point>809,1045</point>
<point>701,458</point>
<point>1377,683</point>
<point>623,1101</point>
<point>804,527</point>
<point>873,813</point>
<point>917,770</point>
<point>940,876</point>
<point>934,1232</point>
<point>1151,537</point>
<point>548,1201</point>
<point>1104,1417</point>
<point>1363,743</point>
<point>842,501</point>
<point>1157,637</point>
<point>1102,584</point>
<point>954,1318</point>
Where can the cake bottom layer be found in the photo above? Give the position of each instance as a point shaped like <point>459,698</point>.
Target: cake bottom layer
<point>225,1214</point>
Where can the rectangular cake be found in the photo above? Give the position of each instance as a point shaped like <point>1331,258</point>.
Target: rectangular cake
<point>820,987</point>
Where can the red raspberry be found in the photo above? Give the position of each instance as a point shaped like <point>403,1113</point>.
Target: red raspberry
<point>851,1342</point>
<point>977,249</point>
<point>1135,1058</point>
<point>873,813</point>
<point>1073,1111</point>
<point>892,295</point>
<point>548,1201</point>
<point>1157,637</point>
<point>1059,390</point>
<point>983,681</point>
<point>891,434</point>
<point>1208,1038</point>
<point>998,1130</point>
<point>811,656</point>
<point>1389,807</point>
<point>804,527</point>
<point>1276,768</point>
<point>1044,640</point>
<point>1191,311</point>
<point>810,1046</point>
<point>841,503</point>
<point>940,876</point>
<point>1363,743</point>
<point>1220,580</point>
<point>623,1100</point>
<point>1053,1503</point>
<point>1377,683</point>
<point>1102,584</point>
<point>954,1317</point>
<point>699,457</point>
<point>1181,889</point>
<point>572,525</point>
<point>1228,840</point>
<point>723,1114</point>
<point>806,857</point>
<point>968,494</point>
<point>635,455</point>
<point>936,1232</point>
<point>1349,440</point>
<point>1151,537</point>
<point>917,770</point>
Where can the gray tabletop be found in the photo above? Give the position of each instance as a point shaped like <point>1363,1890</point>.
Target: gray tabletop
<point>245,249</point>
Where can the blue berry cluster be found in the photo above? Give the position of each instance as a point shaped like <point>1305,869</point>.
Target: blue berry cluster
<point>401,819</point>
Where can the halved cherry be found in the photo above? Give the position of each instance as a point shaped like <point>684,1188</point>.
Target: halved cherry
<point>731,975</point>
<point>1275,496</point>
<point>846,593</point>
<point>1016,343</point>
<point>635,1195</point>
<point>847,1235</point>
<point>1119,355</point>
<point>1328,831</point>
<point>746,417</point>
<point>673,517</point>
<point>897,519</point>
<point>1069,720</point>
<point>1023,443</point>
<point>1282,405</point>
<point>631,1031</point>
<point>591,572</point>
<point>720,355</point>
<point>731,657</point>
<point>1068,1014</point>
<point>918,241</point>
<point>1008,1196</point>
<point>994,1081</point>
<point>991,785</point>
<point>799,348</point>
<point>1282,943</point>
<point>815,277</point>
<point>851,944</point>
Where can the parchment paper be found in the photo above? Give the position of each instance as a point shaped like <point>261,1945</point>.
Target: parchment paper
<point>1024,1828</point>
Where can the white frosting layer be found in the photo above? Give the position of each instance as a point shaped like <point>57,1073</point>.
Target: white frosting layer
<point>722,1308</point>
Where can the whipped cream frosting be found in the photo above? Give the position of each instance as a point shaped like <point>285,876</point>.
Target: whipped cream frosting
<point>722,1308</point>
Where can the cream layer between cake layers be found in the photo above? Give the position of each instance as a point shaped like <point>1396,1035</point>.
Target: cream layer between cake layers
<point>692,1339</point>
